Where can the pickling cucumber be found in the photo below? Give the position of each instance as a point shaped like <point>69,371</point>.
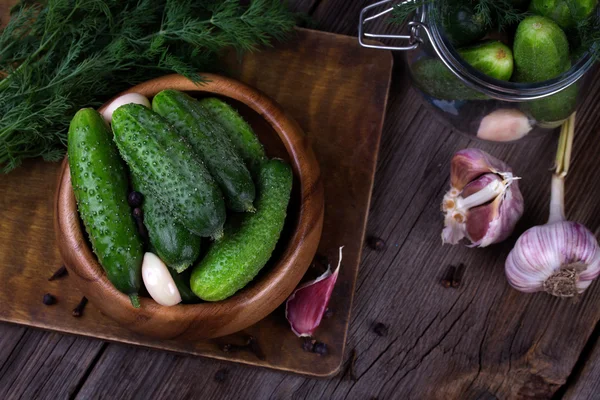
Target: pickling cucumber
<point>566,13</point>
<point>99,180</point>
<point>182,281</point>
<point>541,50</point>
<point>169,169</point>
<point>242,137</point>
<point>235,260</point>
<point>463,25</point>
<point>491,58</point>
<point>210,141</point>
<point>171,241</point>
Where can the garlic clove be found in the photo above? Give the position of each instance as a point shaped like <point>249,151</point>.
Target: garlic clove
<point>560,258</point>
<point>504,125</point>
<point>158,281</point>
<point>468,164</point>
<point>305,307</point>
<point>128,98</point>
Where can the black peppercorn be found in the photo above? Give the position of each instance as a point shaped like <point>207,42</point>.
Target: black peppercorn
<point>375,243</point>
<point>135,199</point>
<point>320,349</point>
<point>221,375</point>
<point>49,299</point>
<point>380,329</point>
<point>308,345</point>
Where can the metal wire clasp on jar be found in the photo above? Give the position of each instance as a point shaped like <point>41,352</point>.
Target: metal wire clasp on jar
<point>468,100</point>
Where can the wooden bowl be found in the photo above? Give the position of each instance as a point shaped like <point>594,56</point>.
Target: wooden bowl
<point>282,137</point>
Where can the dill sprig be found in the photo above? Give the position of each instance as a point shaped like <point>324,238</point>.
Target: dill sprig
<point>496,14</point>
<point>588,31</point>
<point>57,56</point>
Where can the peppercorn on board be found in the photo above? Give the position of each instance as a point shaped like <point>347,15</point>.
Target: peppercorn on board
<point>27,259</point>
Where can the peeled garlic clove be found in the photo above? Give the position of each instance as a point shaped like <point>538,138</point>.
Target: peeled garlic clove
<point>561,258</point>
<point>469,164</point>
<point>128,98</point>
<point>305,307</point>
<point>504,125</point>
<point>158,281</point>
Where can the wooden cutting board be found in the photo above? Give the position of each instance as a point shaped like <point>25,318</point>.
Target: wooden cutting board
<point>337,91</point>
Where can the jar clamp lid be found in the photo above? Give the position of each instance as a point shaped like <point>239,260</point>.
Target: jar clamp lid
<point>501,90</point>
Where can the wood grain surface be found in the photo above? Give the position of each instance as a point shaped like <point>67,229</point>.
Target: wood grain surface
<point>304,82</point>
<point>480,341</point>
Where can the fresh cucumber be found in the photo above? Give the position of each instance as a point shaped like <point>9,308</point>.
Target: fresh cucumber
<point>463,25</point>
<point>182,281</point>
<point>211,143</point>
<point>171,241</point>
<point>541,50</point>
<point>100,184</point>
<point>236,259</point>
<point>493,59</point>
<point>170,170</point>
<point>242,137</point>
<point>566,13</point>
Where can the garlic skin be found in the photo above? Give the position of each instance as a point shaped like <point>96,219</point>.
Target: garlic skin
<point>158,281</point>
<point>128,98</point>
<point>484,202</point>
<point>560,258</point>
<point>305,307</point>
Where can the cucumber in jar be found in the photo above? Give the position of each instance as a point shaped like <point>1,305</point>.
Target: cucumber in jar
<point>463,25</point>
<point>492,58</point>
<point>566,13</point>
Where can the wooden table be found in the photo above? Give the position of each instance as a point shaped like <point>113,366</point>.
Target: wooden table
<point>483,340</point>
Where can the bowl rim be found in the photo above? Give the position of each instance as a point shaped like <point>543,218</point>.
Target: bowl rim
<point>250,304</point>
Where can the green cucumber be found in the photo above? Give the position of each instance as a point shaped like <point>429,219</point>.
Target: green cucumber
<point>99,179</point>
<point>174,244</point>
<point>463,25</point>
<point>182,281</point>
<point>491,58</point>
<point>169,169</point>
<point>566,13</point>
<point>210,141</point>
<point>550,112</point>
<point>234,261</point>
<point>242,137</point>
<point>541,50</point>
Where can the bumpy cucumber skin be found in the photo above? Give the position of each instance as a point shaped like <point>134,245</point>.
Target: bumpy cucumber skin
<point>242,137</point>
<point>551,111</point>
<point>182,281</point>
<point>540,49</point>
<point>172,242</point>
<point>493,58</point>
<point>211,143</point>
<point>566,13</point>
<point>100,184</point>
<point>234,261</point>
<point>170,170</point>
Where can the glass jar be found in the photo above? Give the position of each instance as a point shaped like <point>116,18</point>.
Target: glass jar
<point>468,100</point>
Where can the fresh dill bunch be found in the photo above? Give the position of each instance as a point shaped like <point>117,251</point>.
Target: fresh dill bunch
<point>404,10</point>
<point>57,56</point>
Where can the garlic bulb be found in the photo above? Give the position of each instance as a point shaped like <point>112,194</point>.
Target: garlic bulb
<point>484,202</point>
<point>562,257</point>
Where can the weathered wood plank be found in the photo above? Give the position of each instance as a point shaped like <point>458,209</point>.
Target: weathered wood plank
<point>44,365</point>
<point>586,384</point>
